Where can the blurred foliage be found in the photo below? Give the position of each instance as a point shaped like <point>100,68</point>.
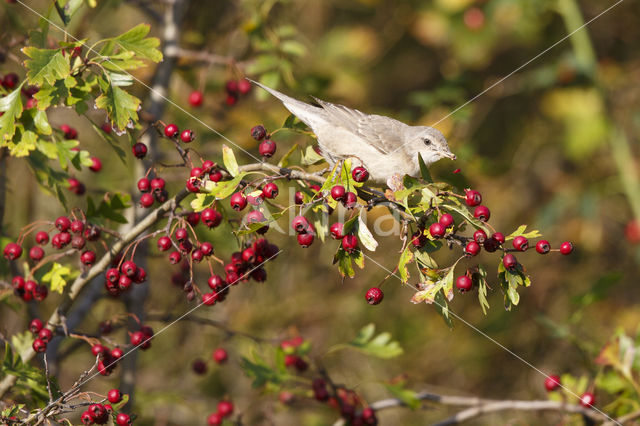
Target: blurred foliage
<point>554,145</point>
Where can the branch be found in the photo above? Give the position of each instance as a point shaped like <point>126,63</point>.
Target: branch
<point>480,406</point>
<point>98,268</point>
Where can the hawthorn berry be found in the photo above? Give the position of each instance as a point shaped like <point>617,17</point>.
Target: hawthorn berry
<point>336,230</point>
<point>255,198</point>
<point>374,296</point>
<point>62,223</point>
<point>300,224</point>
<point>350,243</point>
<point>42,238</point>
<point>10,80</point>
<point>472,198</point>
<point>77,226</point>
<point>238,201</point>
<point>97,411</point>
<point>187,136</point>
<point>551,383</point>
<point>360,174</point>
<point>338,192</point>
<point>231,99</point>
<point>129,268</point>
<point>267,148</point>
<point>86,418</point>
<point>12,251</point>
<point>170,130</point>
<point>199,366</point>
<point>96,165</point>
<point>479,236</point>
<point>147,200</point>
<point>298,198</point>
<point>231,87</point>
<point>306,239</point>
<point>472,248</point>
<point>137,338</point>
<point>36,253</point>
<point>195,98</point>
<point>112,275</point>
<point>197,255</point>
<point>45,335</point>
<point>587,399</point>
<point>123,419</point>
<point>193,218</point>
<point>566,248</point>
<point>509,261</point>
<point>206,248</point>
<point>40,293</point>
<point>36,325</point>
<point>215,176</point>
<point>214,419</point>
<point>463,283</point>
<point>543,247</point>
<point>498,237</point>
<point>368,416</point>
<point>124,282</point>
<point>270,190</point>
<point>225,408</point>
<point>418,239</point>
<point>39,345</point>
<point>88,258</point>
<point>209,299</point>
<point>350,200</point>
<point>520,243</point>
<point>258,132</point>
<point>446,220</point>
<point>157,184</point>
<point>211,217</point>
<point>437,230</point>
<point>144,185</point>
<point>255,216</point>
<point>220,355</point>
<point>140,276</point>
<point>139,150</point>
<point>116,353</point>
<point>181,234</point>
<point>244,87</point>
<point>482,213</point>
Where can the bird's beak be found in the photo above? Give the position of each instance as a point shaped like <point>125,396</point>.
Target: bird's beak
<point>449,154</point>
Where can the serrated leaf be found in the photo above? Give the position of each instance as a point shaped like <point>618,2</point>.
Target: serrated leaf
<point>121,107</point>
<point>25,145</point>
<point>11,105</point>
<point>49,95</point>
<point>224,188</point>
<point>136,40</point>
<point>45,65</point>
<point>428,292</point>
<point>365,236</point>
<point>57,277</point>
<point>358,258</point>
<point>229,160</point>
<point>42,123</point>
<point>405,258</point>
<point>380,346</point>
<point>202,201</point>
<point>261,373</point>
<point>343,260</point>
<point>310,156</point>
<point>110,208</point>
<point>521,232</point>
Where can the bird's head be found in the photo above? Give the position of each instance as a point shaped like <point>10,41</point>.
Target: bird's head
<point>428,142</point>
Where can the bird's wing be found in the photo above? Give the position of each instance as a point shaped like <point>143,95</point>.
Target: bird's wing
<point>382,133</point>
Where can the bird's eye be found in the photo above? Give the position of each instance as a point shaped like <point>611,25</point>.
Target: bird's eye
<point>427,141</point>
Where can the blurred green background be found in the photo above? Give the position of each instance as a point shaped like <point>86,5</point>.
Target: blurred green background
<point>554,146</point>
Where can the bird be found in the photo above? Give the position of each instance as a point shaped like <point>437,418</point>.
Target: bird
<point>386,147</point>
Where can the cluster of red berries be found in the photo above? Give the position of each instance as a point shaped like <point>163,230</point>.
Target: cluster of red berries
<point>267,147</point>
<point>11,80</point>
<point>346,401</point>
<point>224,410</point>
<point>108,358</point>
<point>219,355</point>
<point>293,357</point>
<point>119,280</point>
<point>552,383</point>
<point>152,190</point>
<point>199,175</point>
<point>42,335</point>
<point>100,413</point>
<point>236,88</point>
<point>172,132</point>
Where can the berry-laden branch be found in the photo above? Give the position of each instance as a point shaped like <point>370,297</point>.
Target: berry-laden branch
<point>98,268</point>
<point>481,406</point>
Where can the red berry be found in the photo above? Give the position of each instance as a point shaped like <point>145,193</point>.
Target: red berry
<point>298,198</point>
<point>199,366</point>
<point>437,230</point>
<point>479,236</point>
<point>197,255</point>
<point>97,412</point>
<point>209,299</point>
<point>482,213</point>
<point>164,243</point>
<point>300,224</point>
<point>139,150</point>
<point>124,282</point>
<point>206,248</point>
<point>587,399</point>
<point>36,253</point>
<point>77,226</point>
<point>214,419</point>
<point>464,283</point>
<point>114,396</point>
<point>520,243</point>
<point>258,132</point>
<point>88,258</point>
<point>36,325</point>
<point>255,198</point>
<point>446,220</point>
<point>225,408</point>
<point>215,176</point>
<point>42,238</point>
<point>45,335</point>
<point>211,217</point>
<point>418,239</point>
<point>360,174</point>
<point>474,18</point>
<point>231,86</point>
<point>270,190</point>
<point>255,216</point>
<point>551,383</point>
<point>350,200</point>
<point>374,296</point>
<point>123,419</point>
<point>338,192</point>
<point>187,136</point>
<point>509,261</point>
<point>181,234</point>
<point>86,418</point>
<point>472,198</point>
<point>336,230</point>
<point>195,98</point>
<point>10,80</point>
<point>244,87</point>
<point>267,148</point>
<point>543,247</point>
<point>96,164</point>
<point>62,223</point>
<point>231,99</point>
<point>220,355</point>
<point>174,257</point>
<point>106,127</point>
<point>137,338</point>
<point>157,184</point>
<point>144,185</point>
<point>238,201</point>
<point>116,353</point>
<point>170,130</point>
<point>141,275</point>
<point>350,243</point>
<point>472,248</point>
<point>12,251</point>
<point>498,237</point>
<point>76,186</point>
<point>147,200</point>
<point>39,345</point>
<point>632,231</point>
<point>129,268</point>
<point>306,239</point>
<point>566,248</point>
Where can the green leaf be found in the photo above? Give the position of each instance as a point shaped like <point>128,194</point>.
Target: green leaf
<point>110,207</point>
<point>67,8</point>
<point>202,201</point>
<point>261,373</point>
<point>358,258</point>
<point>222,189</point>
<point>365,236</point>
<point>521,232</point>
<point>11,105</point>
<point>424,171</point>
<point>45,65</point>
<point>42,123</point>
<point>293,48</point>
<point>293,123</point>
<point>21,342</point>
<point>427,292</point>
<point>121,107</point>
<point>284,161</point>
<point>480,280</point>
<point>380,346</point>
<point>26,144</point>
<point>408,396</point>
<point>57,277</point>
<point>343,260</point>
<point>443,308</point>
<point>229,160</point>
<point>136,40</point>
<point>447,285</point>
<point>310,156</point>
<point>405,258</point>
